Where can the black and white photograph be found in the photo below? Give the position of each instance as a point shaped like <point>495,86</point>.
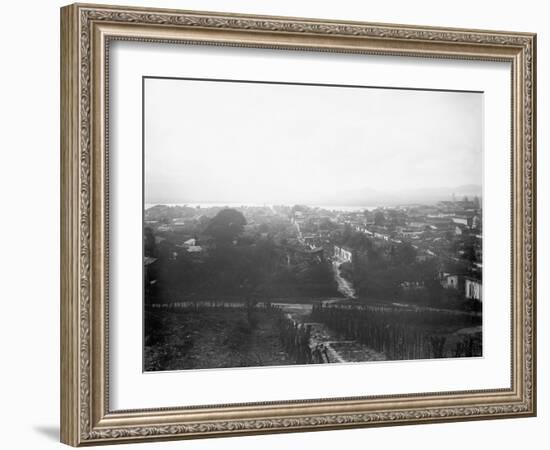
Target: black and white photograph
<point>295,224</point>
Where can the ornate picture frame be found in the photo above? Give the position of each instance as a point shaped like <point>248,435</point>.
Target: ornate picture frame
<point>86,34</point>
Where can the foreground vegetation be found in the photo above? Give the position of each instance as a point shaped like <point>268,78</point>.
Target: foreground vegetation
<point>206,336</point>
<point>405,334</point>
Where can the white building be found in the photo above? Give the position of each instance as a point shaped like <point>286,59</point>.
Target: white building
<point>343,254</point>
<point>450,281</point>
<point>473,289</point>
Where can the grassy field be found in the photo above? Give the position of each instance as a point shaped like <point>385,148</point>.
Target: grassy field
<point>212,337</point>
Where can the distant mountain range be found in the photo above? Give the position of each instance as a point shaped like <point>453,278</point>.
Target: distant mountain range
<point>358,197</point>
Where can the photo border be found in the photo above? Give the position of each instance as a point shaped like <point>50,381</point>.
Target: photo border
<point>144,78</point>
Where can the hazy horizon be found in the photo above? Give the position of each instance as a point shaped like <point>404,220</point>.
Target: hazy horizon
<point>222,142</point>
<point>375,204</point>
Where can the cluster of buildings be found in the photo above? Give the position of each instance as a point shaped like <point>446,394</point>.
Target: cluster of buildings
<point>449,232</point>
<point>467,283</point>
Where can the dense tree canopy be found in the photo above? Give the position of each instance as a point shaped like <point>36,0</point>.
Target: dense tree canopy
<point>226,226</point>
<point>379,218</point>
<point>149,246</point>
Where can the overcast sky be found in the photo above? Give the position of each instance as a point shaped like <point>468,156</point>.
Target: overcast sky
<point>208,141</point>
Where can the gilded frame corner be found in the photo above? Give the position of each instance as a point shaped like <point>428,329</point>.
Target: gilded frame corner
<point>86,31</point>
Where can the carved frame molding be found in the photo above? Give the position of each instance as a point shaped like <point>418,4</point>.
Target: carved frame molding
<point>86,31</point>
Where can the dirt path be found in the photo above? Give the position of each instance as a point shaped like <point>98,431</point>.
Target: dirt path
<point>344,286</point>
